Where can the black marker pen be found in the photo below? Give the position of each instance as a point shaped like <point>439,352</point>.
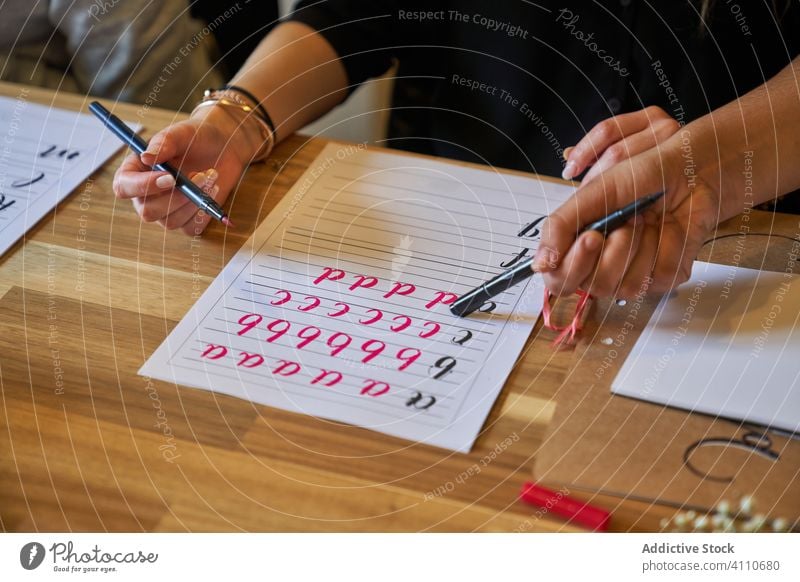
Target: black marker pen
<point>471,301</point>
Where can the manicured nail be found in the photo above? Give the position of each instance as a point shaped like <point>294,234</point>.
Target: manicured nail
<point>567,152</point>
<point>546,260</point>
<point>569,171</point>
<point>592,241</point>
<point>165,181</point>
<point>212,175</point>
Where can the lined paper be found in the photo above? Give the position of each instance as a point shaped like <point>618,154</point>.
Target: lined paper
<point>338,305</point>
<point>45,153</point>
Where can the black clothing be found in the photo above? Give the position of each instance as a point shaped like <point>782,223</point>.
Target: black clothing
<point>512,83</point>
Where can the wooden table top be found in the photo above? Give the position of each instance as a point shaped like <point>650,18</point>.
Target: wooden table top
<point>88,445</point>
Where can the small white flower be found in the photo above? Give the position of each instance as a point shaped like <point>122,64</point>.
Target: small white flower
<point>780,524</point>
<point>701,523</point>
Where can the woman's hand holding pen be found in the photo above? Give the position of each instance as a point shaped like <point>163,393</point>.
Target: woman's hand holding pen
<point>212,147</point>
<point>647,253</point>
<point>654,252</point>
<point>707,174</point>
<point>299,76</point>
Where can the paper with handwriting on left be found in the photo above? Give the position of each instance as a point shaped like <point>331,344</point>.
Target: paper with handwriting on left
<point>45,153</point>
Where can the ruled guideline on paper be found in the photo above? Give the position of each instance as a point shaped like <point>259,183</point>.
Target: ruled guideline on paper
<point>337,306</point>
<point>45,153</point>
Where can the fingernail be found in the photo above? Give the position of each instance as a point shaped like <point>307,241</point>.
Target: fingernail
<point>592,241</point>
<point>165,181</point>
<point>546,260</point>
<point>212,175</point>
<point>199,178</point>
<point>567,152</point>
<point>569,171</point>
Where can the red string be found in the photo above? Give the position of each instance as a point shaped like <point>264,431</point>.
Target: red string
<point>568,332</point>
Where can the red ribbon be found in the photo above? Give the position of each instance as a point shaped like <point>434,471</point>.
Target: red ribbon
<point>568,332</point>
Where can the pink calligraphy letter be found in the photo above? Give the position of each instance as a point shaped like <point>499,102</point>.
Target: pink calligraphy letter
<point>374,388</point>
<point>344,309</point>
<point>442,297</point>
<point>363,281</point>
<point>249,321</point>
<point>286,368</point>
<point>337,377</point>
<point>214,352</point>
<point>435,327</point>
<point>400,289</point>
<point>286,297</point>
<point>250,360</point>
<point>406,322</point>
<point>330,274</point>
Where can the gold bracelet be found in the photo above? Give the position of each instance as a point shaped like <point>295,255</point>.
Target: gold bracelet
<point>242,98</point>
<point>267,136</point>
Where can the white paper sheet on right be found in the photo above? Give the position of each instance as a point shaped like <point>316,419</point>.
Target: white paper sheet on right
<point>725,343</point>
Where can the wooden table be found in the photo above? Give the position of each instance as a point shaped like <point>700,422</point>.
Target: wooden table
<point>87,444</point>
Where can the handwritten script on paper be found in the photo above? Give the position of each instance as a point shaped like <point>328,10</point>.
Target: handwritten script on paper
<point>45,153</point>
<point>337,306</point>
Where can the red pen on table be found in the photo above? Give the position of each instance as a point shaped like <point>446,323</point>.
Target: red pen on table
<point>557,502</point>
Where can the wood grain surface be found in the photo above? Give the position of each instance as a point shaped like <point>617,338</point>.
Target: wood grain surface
<point>87,444</point>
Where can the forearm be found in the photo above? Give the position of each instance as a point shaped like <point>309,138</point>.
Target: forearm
<point>748,150</point>
<point>297,74</point>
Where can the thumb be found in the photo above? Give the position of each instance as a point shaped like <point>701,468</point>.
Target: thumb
<point>169,143</point>
<point>557,236</point>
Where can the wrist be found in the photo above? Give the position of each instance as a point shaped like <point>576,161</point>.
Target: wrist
<point>243,133</point>
<point>724,161</point>
<point>700,158</point>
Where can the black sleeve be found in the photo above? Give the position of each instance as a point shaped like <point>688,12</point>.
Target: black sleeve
<point>360,31</point>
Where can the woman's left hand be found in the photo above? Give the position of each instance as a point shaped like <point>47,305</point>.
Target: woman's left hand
<point>616,139</point>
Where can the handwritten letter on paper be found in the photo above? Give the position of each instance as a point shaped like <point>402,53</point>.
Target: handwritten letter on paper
<point>337,306</point>
<point>45,153</point>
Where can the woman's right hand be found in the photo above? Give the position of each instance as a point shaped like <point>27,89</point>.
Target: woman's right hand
<point>211,147</point>
<point>652,253</point>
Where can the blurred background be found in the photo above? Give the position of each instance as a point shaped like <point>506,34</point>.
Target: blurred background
<point>137,52</point>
